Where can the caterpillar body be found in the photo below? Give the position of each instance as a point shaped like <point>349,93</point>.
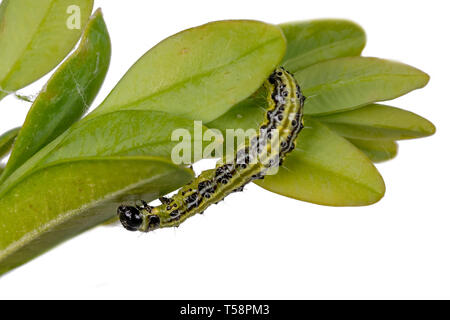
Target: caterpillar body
<point>267,149</point>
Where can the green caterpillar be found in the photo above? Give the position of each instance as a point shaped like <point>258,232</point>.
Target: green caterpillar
<point>253,160</point>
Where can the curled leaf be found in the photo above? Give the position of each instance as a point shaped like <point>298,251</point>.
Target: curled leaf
<point>347,83</point>
<point>326,169</point>
<point>83,193</point>
<point>7,140</point>
<point>377,150</point>
<point>377,121</point>
<point>35,36</point>
<point>67,95</point>
<point>202,72</point>
<point>310,42</point>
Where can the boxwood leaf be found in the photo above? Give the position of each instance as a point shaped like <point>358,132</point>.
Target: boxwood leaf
<point>57,202</point>
<point>7,140</point>
<point>98,139</point>
<point>326,169</point>
<point>35,36</point>
<point>377,150</point>
<point>246,114</point>
<point>377,121</point>
<point>120,133</point>
<point>202,72</point>
<point>126,132</point>
<point>310,42</point>
<point>347,83</point>
<point>67,95</point>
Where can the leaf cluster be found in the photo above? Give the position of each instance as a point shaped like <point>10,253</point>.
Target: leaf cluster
<point>67,173</point>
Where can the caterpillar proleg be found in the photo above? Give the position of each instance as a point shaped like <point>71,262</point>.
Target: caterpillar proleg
<point>253,160</point>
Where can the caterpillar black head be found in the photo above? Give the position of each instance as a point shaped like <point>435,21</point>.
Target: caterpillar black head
<point>133,219</point>
<point>130,217</point>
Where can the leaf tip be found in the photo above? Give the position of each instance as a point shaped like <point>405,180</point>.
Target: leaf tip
<point>379,192</point>
<point>430,128</point>
<point>98,12</point>
<point>426,77</point>
<point>426,127</point>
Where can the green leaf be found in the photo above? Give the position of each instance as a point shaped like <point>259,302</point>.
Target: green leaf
<point>247,114</point>
<point>310,42</point>
<point>347,83</point>
<point>126,132</point>
<point>67,95</point>
<point>58,202</point>
<point>202,72</point>
<point>378,121</point>
<point>7,140</point>
<point>326,169</point>
<point>377,150</point>
<point>35,37</point>
<point>120,133</point>
<point>66,194</point>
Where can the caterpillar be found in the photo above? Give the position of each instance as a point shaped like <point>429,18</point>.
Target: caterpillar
<point>274,139</point>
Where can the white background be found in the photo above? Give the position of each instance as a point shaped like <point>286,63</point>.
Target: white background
<point>258,244</point>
